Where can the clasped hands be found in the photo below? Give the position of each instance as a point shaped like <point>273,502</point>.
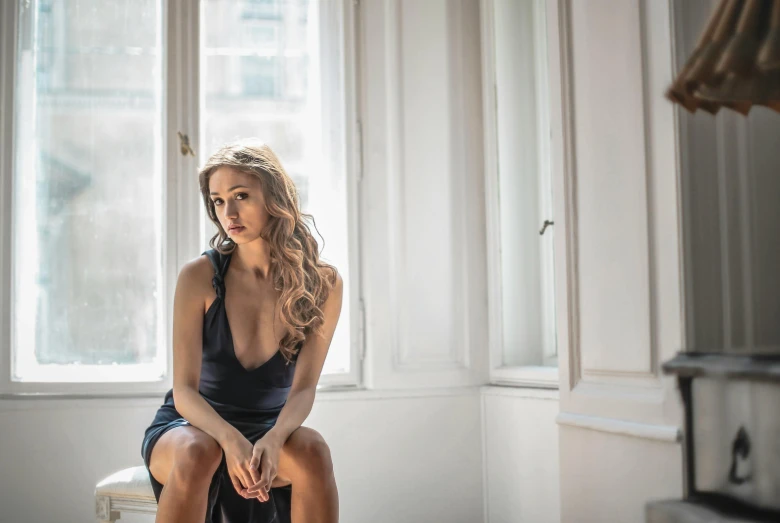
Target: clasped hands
<point>252,468</point>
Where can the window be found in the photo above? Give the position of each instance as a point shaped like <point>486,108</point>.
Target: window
<point>99,198</point>
<point>272,88</point>
<point>519,195</point>
<point>87,198</point>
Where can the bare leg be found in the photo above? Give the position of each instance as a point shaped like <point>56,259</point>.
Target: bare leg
<point>305,463</point>
<point>184,460</point>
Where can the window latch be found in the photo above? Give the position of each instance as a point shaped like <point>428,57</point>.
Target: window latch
<point>184,144</point>
<point>544,226</point>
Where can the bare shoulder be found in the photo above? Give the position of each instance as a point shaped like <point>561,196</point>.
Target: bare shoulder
<point>337,288</point>
<point>338,281</point>
<point>194,279</point>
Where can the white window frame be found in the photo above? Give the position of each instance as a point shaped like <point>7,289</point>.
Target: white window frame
<point>184,218</point>
<point>523,376</point>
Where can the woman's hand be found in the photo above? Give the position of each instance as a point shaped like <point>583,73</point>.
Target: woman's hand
<point>265,457</point>
<point>238,457</point>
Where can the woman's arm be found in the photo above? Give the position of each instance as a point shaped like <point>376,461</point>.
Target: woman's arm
<point>265,453</point>
<point>192,288</point>
<point>308,368</point>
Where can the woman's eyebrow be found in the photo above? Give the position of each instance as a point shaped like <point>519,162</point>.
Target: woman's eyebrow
<point>231,189</point>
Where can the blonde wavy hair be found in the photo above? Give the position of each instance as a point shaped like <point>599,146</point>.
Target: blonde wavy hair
<point>296,270</point>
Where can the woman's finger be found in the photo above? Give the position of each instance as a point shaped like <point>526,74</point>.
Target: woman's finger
<point>257,454</point>
<point>252,489</point>
<point>236,483</point>
<point>261,487</point>
<point>246,480</point>
<point>265,478</point>
<point>254,466</point>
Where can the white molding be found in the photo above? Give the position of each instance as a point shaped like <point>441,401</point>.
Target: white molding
<point>493,218</point>
<point>520,392</point>
<point>460,172</point>
<point>570,174</point>
<point>402,351</point>
<point>559,48</point>
<point>153,400</point>
<point>182,113</point>
<point>60,402</point>
<point>404,358</point>
<point>483,439</point>
<point>546,204</point>
<point>8,43</point>
<point>389,394</point>
<point>528,376</point>
<point>663,433</point>
<point>680,49</point>
<point>653,368</point>
<point>570,197</point>
<point>353,165</point>
<point>612,392</point>
<point>394,154</point>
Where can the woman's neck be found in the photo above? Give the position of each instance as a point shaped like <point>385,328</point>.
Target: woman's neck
<point>253,257</point>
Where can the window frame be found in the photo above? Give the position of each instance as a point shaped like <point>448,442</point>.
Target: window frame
<point>522,375</point>
<point>182,107</point>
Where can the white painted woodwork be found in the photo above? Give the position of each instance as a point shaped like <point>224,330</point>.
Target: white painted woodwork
<point>423,225</point>
<point>617,254</point>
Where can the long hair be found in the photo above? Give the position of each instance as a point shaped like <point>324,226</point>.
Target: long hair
<point>296,270</point>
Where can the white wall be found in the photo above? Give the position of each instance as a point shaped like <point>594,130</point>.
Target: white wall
<point>397,457</point>
<point>520,452</point>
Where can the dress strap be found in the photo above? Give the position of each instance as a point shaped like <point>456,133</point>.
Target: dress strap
<point>220,263</point>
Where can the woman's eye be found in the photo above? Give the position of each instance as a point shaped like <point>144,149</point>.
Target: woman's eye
<point>217,201</point>
<point>242,195</point>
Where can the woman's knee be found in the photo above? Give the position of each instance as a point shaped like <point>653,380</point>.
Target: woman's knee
<point>312,453</point>
<point>197,456</point>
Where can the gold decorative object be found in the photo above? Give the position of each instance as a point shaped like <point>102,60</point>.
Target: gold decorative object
<point>184,144</point>
<point>736,62</point>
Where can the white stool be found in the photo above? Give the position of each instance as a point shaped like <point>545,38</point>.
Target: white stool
<point>128,490</point>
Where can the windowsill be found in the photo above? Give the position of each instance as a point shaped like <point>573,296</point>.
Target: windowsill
<point>362,393</point>
<point>121,389</point>
<point>520,392</point>
<point>328,393</point>
<point>536,377</point>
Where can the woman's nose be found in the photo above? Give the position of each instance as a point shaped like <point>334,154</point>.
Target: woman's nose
<point>231,209</point>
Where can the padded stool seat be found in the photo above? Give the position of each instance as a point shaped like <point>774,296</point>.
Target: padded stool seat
<point>128,490</point>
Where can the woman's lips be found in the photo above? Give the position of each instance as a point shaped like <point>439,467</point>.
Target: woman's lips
<point>236,230</point>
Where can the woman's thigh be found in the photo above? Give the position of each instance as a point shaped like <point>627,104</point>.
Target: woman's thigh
<point>185,447</point>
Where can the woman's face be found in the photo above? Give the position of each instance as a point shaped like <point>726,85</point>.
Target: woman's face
<point>239,203</point>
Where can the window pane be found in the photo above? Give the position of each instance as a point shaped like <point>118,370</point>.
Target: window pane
<point>525,199</point>
<point>262,61</point>
<point>88,192</point>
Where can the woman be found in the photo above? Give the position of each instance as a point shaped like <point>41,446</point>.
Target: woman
<point>232,448</point>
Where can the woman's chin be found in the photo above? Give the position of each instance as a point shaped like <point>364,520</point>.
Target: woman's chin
<point>242,237</point>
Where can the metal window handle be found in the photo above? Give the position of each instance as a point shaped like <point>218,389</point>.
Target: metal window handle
<point>740,448</point>
<point>184,144</point>
<point>544,226</point>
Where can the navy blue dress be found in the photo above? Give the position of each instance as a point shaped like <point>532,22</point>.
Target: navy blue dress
<point>250,400</point>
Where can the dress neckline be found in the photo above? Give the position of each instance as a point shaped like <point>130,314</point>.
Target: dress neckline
<point>219,280</point>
